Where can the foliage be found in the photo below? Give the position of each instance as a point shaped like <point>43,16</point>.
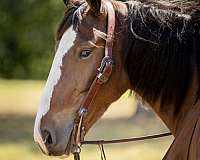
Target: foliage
<point>27,30</point>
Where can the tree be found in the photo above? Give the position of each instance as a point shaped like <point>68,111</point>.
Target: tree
<point>27,30</point>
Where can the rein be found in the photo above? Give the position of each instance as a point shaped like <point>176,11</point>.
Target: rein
<point>126,140</point>
<point>103,75</point>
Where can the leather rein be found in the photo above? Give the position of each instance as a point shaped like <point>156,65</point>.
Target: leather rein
<point>103,75</point>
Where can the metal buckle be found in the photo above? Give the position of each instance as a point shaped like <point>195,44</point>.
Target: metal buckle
<point>102,77</point>
<point>82,111</point>
<point>105,60</point>
<point>76,152</point>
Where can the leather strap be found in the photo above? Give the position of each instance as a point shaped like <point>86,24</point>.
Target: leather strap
<point>103,75</point>
<point>105,70</point>
<point>126,140</point>
<point>110,29</point>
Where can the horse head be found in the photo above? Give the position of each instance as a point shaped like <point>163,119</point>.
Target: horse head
<point>81,41</point>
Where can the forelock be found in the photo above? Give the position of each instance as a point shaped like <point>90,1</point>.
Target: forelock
<point>73,16</point>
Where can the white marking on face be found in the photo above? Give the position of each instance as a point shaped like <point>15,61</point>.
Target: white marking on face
<point>66,43</point>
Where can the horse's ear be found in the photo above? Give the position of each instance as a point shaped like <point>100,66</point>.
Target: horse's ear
<point>95,5</point>
<point>73,2</point>
<point>65,2</point>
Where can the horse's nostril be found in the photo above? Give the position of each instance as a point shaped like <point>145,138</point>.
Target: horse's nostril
<point>47,138</point>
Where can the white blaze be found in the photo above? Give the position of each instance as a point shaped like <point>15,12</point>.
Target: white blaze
<point>66,43</point>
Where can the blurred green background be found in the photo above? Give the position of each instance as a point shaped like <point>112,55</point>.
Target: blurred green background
<point>27,29</point>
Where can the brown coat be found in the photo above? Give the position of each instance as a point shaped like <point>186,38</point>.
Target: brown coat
<point>186,145</point>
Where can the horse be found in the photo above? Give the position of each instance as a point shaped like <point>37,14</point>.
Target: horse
<point>151,47</point>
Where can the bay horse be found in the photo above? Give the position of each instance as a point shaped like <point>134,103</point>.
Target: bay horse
<point>155,48</point>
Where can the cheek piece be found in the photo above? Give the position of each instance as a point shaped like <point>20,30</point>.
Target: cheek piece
<point>103,75</point>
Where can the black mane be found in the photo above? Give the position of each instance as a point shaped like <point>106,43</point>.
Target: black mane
<point>165,49</point>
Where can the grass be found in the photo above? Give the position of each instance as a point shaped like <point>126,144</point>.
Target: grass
<point>18,105</point>
<point>20,97</point>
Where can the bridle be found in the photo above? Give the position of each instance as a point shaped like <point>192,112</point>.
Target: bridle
<point>103,75</point>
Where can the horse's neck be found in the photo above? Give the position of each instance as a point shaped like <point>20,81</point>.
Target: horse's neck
<point>172,120</point>
<point>175,121</point>
<point>188,104</point>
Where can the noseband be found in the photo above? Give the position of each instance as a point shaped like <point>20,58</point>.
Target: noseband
<point>103,75</point>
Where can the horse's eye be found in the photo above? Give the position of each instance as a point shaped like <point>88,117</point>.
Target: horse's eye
<point>85,54</point>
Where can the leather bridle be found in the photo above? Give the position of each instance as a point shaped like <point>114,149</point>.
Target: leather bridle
<point>103,75</point>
